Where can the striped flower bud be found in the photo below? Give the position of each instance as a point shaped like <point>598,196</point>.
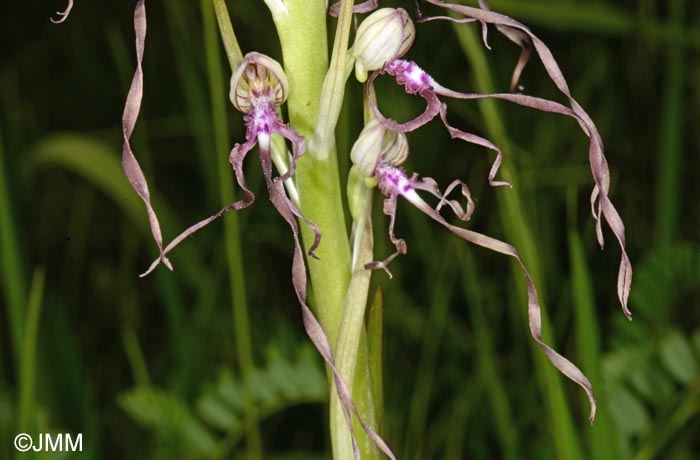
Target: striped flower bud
<point>383,36</point>
<point>375,144</point>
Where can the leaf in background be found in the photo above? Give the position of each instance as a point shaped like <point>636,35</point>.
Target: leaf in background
<point>629,414</point>
<point>217,425</point>
<point>171,419</point>
<point>98,163</point>
<point>677,357</point>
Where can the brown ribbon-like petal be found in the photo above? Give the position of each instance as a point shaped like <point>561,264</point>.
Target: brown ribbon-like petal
<point>131,167</point>
<point>478,140</point>
<point>63,14</point>
<point>313,328</point>
<point>565,366</point>
<point>236,158</point>
<point>600,202</point>
<point>431,110</point>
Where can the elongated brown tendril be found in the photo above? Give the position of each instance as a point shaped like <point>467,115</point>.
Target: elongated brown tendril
<point>236,158</point>
<point>600,202</point>
<point>534,313</point>
<point>313,328</point>
<point>63,14</point>
<point>432,108</point>
<point>516,36</point>
<point>131,166</point>
<point>624,279</point>
<point>565,366</point>
<point>478,140</point>
<point>400,244</point>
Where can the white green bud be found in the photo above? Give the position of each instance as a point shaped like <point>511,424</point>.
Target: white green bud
<point>258,76</point>
<point>394,149</point>
<point>368,146</point>
<point>383,36</point>
<point>376,143</point>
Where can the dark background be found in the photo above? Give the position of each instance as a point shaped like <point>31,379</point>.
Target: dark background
<point>148,368</point>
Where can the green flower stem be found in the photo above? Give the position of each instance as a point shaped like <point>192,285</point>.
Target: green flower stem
<point>352,326</point>
<point>301,25</point>
<point>239,304</point>
<point>314,103</point>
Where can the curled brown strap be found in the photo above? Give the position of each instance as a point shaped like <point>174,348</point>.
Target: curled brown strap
<point>236,159</point>
<point>131,166</point>
<point>564,366</point>
<point>432,108</point>
<point>600,202</point>
<point>313,328</point>
<point>478,140</point>
<point>63,15</point>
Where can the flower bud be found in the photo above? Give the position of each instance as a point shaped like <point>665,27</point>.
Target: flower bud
<point>258,76</point>
<point>394,149</point>
<point>383,36</point>
<point>368,146</point>
<point>377,143</point>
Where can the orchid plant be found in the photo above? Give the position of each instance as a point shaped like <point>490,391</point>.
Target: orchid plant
<point>307,188</point>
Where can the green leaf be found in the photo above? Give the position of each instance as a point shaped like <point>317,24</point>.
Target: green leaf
<point>677,357</point>
<point>167,415</point>
<point>627,411</point>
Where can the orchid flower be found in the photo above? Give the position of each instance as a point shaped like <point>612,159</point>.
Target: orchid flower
<point>379,154</point>
<point>258,88</point>
<point>417,81</point>
<point>375,152</point>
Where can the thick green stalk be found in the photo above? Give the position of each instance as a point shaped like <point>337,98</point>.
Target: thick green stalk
<point>301,25</point>
<point>316,96</point>
<point>239,303</point>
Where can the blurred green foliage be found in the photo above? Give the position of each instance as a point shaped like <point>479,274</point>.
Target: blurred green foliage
<point>149,368</point>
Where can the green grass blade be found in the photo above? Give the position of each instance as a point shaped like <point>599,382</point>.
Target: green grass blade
<point>603,436</point>
<point>427,362</point>
<point>232,240</point>
<point>487,358</point>
<point>12,272</point>
<point>670,149</point>
<point>194,92</point>
<point>27,366</point>
<point>98,164</point>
